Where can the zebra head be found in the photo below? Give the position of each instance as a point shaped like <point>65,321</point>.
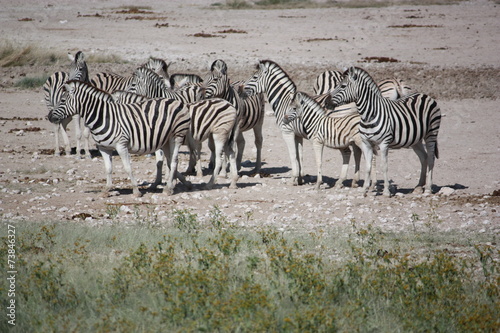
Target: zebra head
<point>64,108</point>
<point>255,85</point>
<point>295,110</point>
<point>216,83</point>
<point>146,82</point>
<point>159,66</point>
<point>78,69</point>
<point>346,90</point>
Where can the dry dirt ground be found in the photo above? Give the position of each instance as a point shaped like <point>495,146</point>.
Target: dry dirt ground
<point>450,52</point>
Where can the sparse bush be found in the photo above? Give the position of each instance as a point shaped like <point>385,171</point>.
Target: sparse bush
<point>213,275</point>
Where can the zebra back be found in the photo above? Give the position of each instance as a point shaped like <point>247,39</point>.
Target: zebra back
<point>211,115</point>
<point>394,88</point>
<point>180,79</point>
<point>125,97</point>
<point>326,82</point>
<point>148,83</point>
<point>110,82</point>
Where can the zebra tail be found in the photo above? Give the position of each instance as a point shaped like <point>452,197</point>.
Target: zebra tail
<point>234,133</point>
<point>436,150</point>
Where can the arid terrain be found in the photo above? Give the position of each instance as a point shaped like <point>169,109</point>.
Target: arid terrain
<point>450,52</point>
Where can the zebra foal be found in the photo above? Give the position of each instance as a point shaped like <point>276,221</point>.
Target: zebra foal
<point>138,128</point>
<point>403,123</point>
<point>333,132</point>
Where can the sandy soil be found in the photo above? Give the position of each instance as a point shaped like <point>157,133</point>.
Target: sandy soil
<point>448,51</point>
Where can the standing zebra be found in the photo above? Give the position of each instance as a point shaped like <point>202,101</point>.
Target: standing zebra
<point>280,90</point>
<point>138,128</point>
<point>322,130</point>
<point>217,118</point>
<point>110,82</point>
<point>386,124</point>
<point>52,90</point>
<point>147,83</point>
<point>250,109</point>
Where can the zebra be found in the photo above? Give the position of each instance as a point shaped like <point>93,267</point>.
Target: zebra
<point>52,90</point>
<point>280,90</point>
<point>334,132</point>
<point>394,88</point>
<point>250,109</point>
<point>147,83</point>
<point>326,82</point>
<point>214,117</point>
<point>160,67</point>
<point>110,82</point>
<point>179,80</point>
<point>386,124</point>
<point>138,128</point>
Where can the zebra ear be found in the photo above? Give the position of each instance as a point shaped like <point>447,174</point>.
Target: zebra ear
<point>353,74</point>
<point>79,56</point>
<point>71,57</point>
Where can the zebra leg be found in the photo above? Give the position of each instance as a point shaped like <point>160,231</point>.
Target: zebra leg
<point>78,133</point>
<point>346,157</point>
<point>431,156</point>
<point>384,152</point>
<point>257,130</point>
<point>232,164</point>
<point>291,143</point>
<point>171,150</point>
<point>357,159</point>
<point>240,147</point>
<point>125,157</point>
<point>419,149</point>
<point>159,155</point>
<point>211,147</point>
<point>300,155</point>
<point>367,149</point>
<point>61,128</point>
<point>318,153</point>
<point>86,140</point>
<point>220,141</point>
<point>107,155</point>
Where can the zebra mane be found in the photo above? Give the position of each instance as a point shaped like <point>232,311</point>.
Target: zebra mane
<point>363,75</point>
<point>274,65</point>
<point>310,103</point>
<point>150,75</point>
<point>101,94</point>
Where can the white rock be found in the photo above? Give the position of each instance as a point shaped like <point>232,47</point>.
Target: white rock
<point>446,191</point>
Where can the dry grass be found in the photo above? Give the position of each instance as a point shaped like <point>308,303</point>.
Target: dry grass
<point>20,55</point>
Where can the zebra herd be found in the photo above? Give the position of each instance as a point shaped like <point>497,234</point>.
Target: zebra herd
<point>152,111</point>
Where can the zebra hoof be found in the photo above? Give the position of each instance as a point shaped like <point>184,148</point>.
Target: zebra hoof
<point>168,191</point>
<point>418,190</point>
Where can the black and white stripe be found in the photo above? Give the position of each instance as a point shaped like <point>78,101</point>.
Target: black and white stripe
<point>250,109</point>
<point>138,128</point>
<point>280,90</point>
<point>326,82</point>
<point>333,132</point>
<point>52,90</point>
<point>214,118</point>
<point>147,83</point>
<point>386,124</point>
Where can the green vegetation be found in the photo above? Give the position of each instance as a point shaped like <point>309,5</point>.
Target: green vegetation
<point>18,55</point>
<point>15,55</point>
<point>192,274</point>
<point>31,82</point>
